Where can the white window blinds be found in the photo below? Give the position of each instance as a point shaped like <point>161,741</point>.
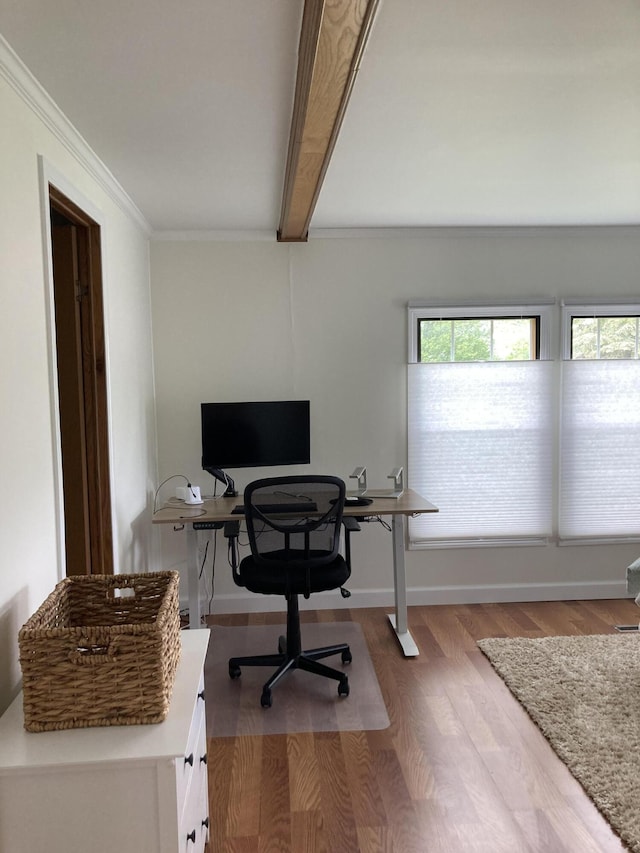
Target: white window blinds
<point>600,449</point>
<point>480,448</point>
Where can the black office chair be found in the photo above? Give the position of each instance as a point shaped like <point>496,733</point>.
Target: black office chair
<point>294,554</point>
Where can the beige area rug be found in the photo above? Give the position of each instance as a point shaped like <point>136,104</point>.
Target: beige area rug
<point>302,702</point>
<point>584,695</point>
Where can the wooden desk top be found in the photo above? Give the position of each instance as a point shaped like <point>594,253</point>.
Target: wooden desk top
<point>219,509</point>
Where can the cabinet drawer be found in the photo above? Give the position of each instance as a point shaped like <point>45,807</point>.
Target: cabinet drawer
<point>194,825</point>
<point>195,751</point>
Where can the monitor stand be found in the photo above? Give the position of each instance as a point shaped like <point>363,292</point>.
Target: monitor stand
<point>224,478</point>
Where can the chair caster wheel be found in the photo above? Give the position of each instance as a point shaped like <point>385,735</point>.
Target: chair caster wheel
<point>282,644</point>
<point>234,671</point>
<point>346,657</point>
<point>343,688</point>
<point>265,699</point>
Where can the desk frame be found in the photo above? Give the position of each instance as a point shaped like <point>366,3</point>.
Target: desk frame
<point>219,510</point>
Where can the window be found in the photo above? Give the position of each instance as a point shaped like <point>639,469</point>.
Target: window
<point>480,422</point>
<point>514,446</point>
<point>600,422</point>
<point>604,337</point>
<point>478,339</point>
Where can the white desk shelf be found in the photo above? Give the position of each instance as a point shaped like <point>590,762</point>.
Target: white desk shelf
<point>131,789</point>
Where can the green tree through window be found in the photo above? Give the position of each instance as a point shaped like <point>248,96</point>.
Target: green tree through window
<point>604,337</point>
<point>477,339</point>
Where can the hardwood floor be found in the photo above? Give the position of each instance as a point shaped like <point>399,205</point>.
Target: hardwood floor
<point>460,768</point>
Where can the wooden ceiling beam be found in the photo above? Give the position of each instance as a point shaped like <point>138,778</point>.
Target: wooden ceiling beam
<point>332,40</point>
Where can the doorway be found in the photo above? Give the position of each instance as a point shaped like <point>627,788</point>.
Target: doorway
<point>82,387</point>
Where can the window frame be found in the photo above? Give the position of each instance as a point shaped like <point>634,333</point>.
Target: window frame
<point>512,310</point>
<point>592,308</point>
<point>583,307</point>
<point>545,311</point>
<point>555,321</point>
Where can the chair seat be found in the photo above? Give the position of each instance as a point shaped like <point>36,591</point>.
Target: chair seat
<point>282,578</point>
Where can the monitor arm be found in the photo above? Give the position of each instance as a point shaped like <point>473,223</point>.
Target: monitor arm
<point>221,475</point>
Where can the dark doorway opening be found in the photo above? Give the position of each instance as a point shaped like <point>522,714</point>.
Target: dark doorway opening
<point>82,387</point>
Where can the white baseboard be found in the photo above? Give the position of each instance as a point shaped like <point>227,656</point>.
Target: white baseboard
<point>503,593</point>
<point>245,602</point>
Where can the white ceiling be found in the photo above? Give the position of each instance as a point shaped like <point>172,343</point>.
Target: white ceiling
<point>465,112</point>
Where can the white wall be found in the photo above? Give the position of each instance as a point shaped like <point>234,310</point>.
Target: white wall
<point>327,321</point>
<point>29,557</point>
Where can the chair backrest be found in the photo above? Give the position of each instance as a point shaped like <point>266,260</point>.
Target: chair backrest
<point>305,532</point>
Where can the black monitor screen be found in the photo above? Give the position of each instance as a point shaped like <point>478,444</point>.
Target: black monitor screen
<point>250,435</point>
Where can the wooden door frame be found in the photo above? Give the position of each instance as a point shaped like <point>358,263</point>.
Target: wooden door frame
<point>57,193</point>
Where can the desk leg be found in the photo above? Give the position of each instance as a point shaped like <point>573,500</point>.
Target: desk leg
<point>192,578</point>
<point>399,618</point>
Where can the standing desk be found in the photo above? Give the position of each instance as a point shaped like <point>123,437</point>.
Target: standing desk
<point>213,513</point>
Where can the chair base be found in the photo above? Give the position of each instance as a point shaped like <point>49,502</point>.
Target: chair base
<point>291,656</point>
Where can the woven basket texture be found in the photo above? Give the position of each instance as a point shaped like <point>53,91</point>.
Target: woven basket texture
<point>102,650</point>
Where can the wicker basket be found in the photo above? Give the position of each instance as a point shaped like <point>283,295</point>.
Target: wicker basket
<point>102,650</point>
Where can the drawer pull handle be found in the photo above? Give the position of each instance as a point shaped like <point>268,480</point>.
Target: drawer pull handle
<point>205,823</point>
<point>191,836</point>
<point>201,695</point>
<point>189,759</point>
<point>203,758</point>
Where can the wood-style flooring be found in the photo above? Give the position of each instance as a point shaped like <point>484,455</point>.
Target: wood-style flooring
<point>461,769</point>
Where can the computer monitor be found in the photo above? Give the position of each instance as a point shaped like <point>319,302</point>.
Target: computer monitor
<point>253,435</point>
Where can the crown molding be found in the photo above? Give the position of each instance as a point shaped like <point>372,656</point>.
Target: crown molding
<point>454,231</point>
<point>213,236</point>
<point>22,81</point>
<point>428,232</point>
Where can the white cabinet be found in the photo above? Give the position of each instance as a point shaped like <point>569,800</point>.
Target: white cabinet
<point>130,789</point>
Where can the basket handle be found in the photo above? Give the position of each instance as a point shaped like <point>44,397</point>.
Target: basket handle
<point>94,653</point>
<point>120,592</point>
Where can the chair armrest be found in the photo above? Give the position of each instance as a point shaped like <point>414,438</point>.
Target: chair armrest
<point>350,523</point>
<point>232,532</point>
